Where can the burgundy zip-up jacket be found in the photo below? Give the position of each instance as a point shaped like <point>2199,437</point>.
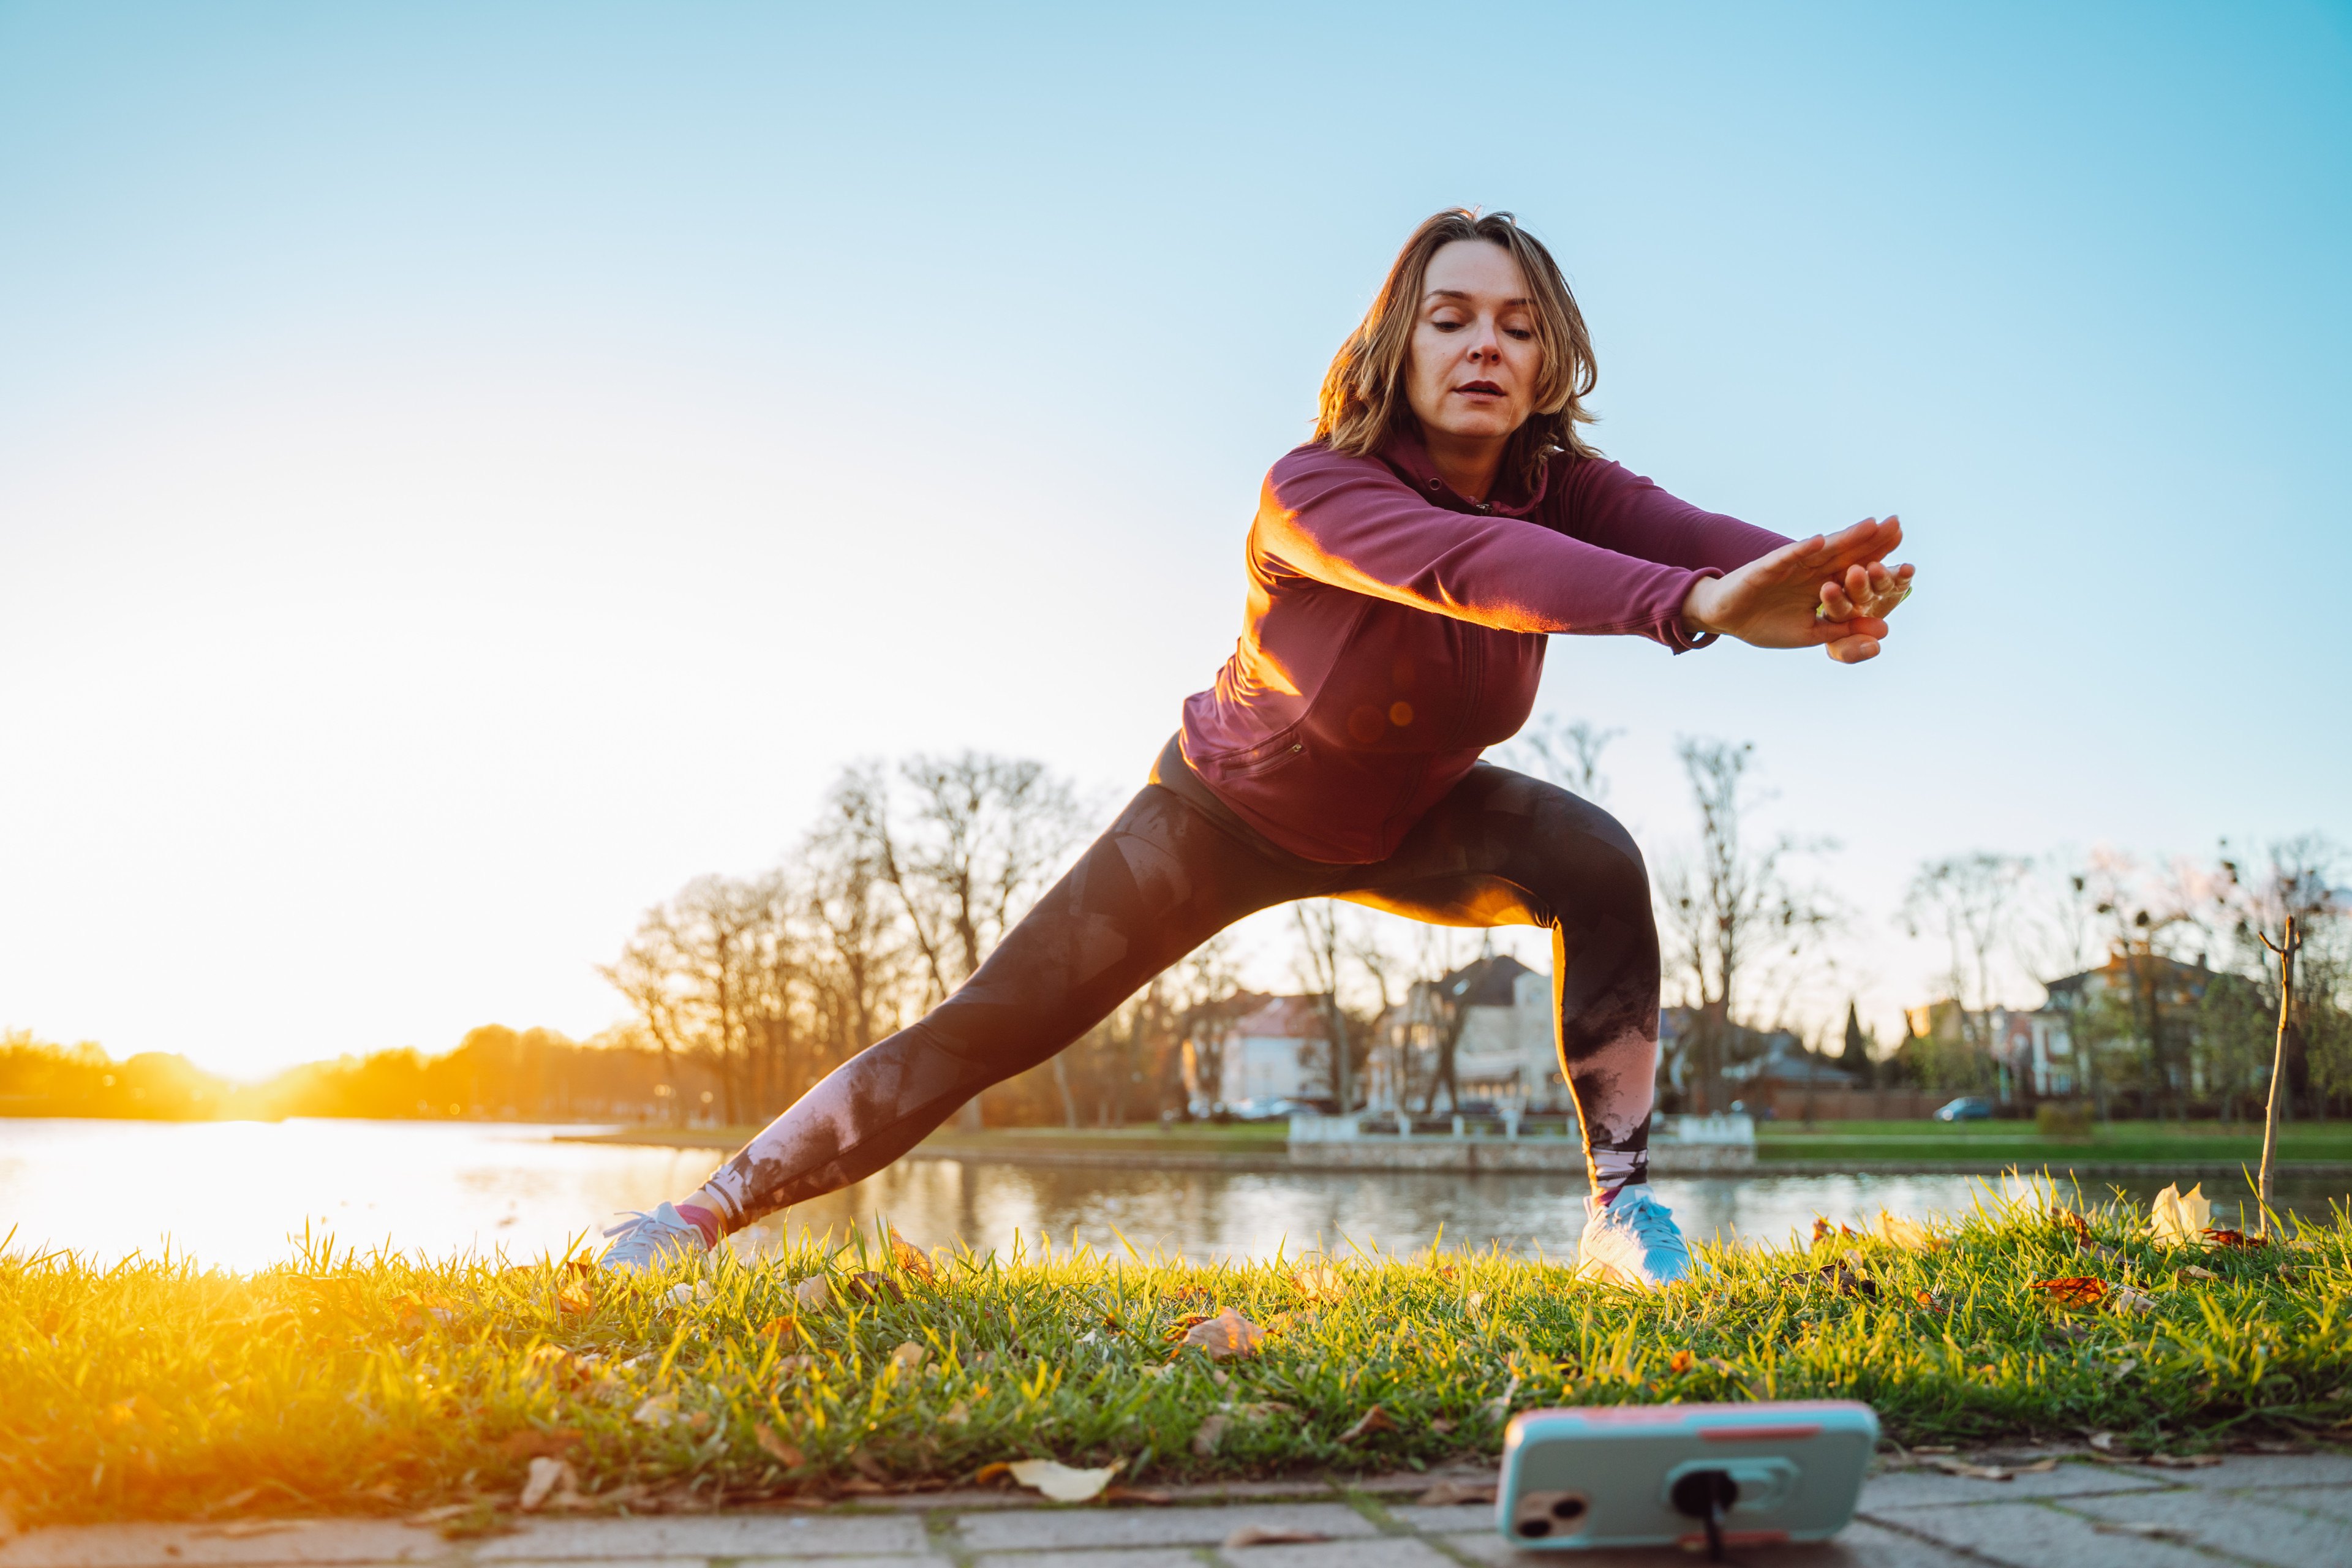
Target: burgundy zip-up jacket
<point>1394,630</point>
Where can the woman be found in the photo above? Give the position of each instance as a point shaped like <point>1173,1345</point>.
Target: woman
<point>1405,567</point>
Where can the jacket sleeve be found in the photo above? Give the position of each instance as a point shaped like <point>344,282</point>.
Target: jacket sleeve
<point>1618,509</point>
<point>1353,524</point>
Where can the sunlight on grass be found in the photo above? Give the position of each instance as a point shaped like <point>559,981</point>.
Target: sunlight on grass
<point>336,1382</point>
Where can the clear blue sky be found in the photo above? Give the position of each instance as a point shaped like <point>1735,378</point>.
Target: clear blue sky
<point>465,469</point>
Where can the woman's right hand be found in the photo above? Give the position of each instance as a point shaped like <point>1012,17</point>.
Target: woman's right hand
<point>1830,591</point>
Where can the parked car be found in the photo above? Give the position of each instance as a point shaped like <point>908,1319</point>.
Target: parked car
<point>1968,1108</point>
<point>1270,1109</point>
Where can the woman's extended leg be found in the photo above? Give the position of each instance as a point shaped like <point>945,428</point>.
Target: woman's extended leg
<point>1160,880</point>
<point>1503,848</point>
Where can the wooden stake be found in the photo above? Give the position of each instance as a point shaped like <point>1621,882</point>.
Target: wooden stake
<point>2286,951</point>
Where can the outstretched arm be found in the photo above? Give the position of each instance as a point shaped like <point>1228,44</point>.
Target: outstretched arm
<point>1830,591</point>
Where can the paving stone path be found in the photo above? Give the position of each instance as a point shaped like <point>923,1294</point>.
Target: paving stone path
<point>2294,1511</point>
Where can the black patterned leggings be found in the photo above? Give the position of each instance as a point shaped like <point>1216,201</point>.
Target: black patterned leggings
<point>1175,869</point>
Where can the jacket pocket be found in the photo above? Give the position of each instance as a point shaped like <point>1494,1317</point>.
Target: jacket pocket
<point>1270,756</point>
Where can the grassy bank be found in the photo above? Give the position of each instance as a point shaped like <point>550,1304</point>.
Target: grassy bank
<point>340,1385</point>
<point>2017,1142</point>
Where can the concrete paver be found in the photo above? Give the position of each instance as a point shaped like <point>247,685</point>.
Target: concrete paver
<point>2291,1511</point>
<point>2334,1502</point>
<point>1107,1557</point>
<point>710,1535</point>
<point>355,1541</point>
<point>1047,1528</point>
<point>1859,1545</point>
<point>1937,1488</point>
<point>1381,1551</point>
<point>2239,1471</point>
<point>2249,1524</point>
<point>2036,1535</point>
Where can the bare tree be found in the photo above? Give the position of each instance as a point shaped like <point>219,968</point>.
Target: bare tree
<point>2293,904</point>
<point>642,976</point>
<point>969,846</point>
<point>1966,899</point>
<point>1566,754</point>
<point>689,973</point>
<point>1732,908</point>
<point>1320,948</point>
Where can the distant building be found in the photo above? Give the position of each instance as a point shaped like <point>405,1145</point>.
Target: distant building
<point>1273,1048</point>
<point>1504,1051</point>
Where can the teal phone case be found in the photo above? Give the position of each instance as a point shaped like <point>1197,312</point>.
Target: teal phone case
<point>1605,1475</point>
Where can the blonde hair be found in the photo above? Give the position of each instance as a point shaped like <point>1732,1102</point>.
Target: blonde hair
<point>1364,400</point>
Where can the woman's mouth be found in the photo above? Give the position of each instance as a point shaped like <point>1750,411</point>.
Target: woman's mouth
<point>1480,389</point>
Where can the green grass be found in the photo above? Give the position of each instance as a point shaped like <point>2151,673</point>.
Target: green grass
<point>2123,1142</point>
<point>342,1385</point>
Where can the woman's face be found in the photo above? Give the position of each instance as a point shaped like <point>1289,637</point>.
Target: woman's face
<point>1475,361</point>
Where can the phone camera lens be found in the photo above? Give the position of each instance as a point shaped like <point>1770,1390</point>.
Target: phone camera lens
<point>1535,1527</point>
<point>1568,1508</point>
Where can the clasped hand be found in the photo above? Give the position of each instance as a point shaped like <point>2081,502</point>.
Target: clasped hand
<point>1832,590</point>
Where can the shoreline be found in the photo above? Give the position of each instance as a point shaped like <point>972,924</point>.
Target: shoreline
<point>1063,1148</point>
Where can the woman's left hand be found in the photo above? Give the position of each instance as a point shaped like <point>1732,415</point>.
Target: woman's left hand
<point>1831,591</point>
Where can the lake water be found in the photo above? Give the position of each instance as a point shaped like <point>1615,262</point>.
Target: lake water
<point>234,1194</point>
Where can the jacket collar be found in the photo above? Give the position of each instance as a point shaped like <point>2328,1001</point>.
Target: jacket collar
<point>1405,453</point>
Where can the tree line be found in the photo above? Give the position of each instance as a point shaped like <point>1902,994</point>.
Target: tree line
<point>494,1073</point>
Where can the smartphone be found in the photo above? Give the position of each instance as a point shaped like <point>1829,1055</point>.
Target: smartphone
<point>1666,1475</point>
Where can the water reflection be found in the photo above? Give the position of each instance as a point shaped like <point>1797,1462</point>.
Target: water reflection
<point>1203,1215</point>
<point>231,1193</point>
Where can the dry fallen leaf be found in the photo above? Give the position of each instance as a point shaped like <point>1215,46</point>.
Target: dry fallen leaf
<point>1907,1234</point>
<point>577,1302</point>
<point>912,1261</point>
<point>2181,1462</point>
<point>533,1444</point>
<point>2104,1442</point>
<point>244,1529</point>
<point>2073,1222</point>
<point>1680,1362</point>
<point>658,1412</point>
<point>1823,1230</point>
<point>1210,1432</point>
<point>1320,1282</point>
<point>956,1415</point>
<point>2192,1271</point>
<point>2179,1219</point>
<point>908,1356</point>
<point>1225,1335</point>
<point>784,1327</point>
<point>2073,1292</point>
<point>2127,1300</point>
<point>1447,1494</point>
<point>1956,1466</point>
<point>2221,1236</point>
<point>1931,1299</point>
<point>547,1478</point>
<point>1374,1420</point>
<point>796,1364</point>
<point>866,1285</point>
<point>1440,1425</point>
<point>815,1294</point>
<point>1061,1482</point>
<point>784,1453</point>
<point>1271,1535</point>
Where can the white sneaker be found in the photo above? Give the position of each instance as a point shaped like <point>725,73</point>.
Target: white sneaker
<point>1633,1241</point>
<point>649,1240</point>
